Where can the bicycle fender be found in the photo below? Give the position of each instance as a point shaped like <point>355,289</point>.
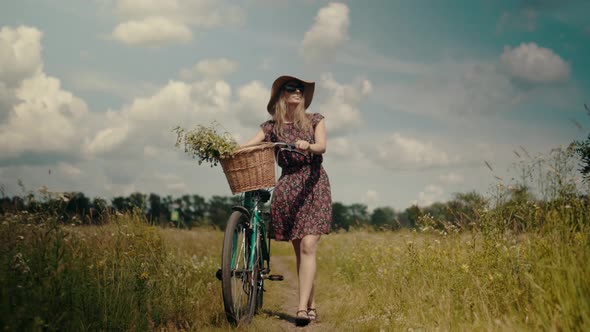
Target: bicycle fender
<point>241,209</point>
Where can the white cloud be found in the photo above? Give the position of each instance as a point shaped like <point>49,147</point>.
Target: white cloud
<point>42,117</point>
<point>341,105</point>
<point>48,121</point>
<point>210,68</point>
<point>148,121</point>
<point>20,54</point>
<point>106,139</point>
<point>251,104</point>
<point>535,64</point>
<point>367,87</point>
<point>429,195</point>
<point>156,23</point>
<point>328,32</point>
<point>343,148</point>
<point>403,152</point>
<point>152,31</point>
<point>451,178</point>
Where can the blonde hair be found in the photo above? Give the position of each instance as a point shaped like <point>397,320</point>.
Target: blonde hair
<point>301,120</point>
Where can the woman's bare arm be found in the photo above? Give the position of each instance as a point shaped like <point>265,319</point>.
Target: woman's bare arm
<point>319,147</point>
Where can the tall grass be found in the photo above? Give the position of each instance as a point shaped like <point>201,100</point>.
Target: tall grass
<point>126,275</point>
<point>438,281</point>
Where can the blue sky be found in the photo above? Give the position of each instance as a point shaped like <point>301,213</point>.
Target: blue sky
<point>416,94</point>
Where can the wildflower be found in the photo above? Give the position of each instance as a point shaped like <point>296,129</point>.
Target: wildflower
<point>20,264</point>
<point>465,268</point>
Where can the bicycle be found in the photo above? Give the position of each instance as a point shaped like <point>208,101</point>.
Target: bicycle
<point>245,258</point>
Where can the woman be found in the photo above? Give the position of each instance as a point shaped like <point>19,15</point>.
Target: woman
<point>301,206</point>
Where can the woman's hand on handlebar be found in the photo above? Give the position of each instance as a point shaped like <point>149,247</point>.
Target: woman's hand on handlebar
<point>302,145</point>
<point>290,147</point>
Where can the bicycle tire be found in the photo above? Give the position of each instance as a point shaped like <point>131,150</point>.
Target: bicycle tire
<point>239,281</point>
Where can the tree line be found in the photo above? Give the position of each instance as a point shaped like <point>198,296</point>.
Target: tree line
<point>188,211</point>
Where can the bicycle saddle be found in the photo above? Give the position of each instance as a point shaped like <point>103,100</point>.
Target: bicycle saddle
<point>263,195</point>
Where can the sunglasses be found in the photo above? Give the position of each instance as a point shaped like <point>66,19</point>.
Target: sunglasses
<point>292,87</point>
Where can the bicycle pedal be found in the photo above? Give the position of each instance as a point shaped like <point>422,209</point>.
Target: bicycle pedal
<point>218,274</point>
<point>275,277</point>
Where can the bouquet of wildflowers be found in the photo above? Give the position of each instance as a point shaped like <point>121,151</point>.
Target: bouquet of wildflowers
<point>205,144</point>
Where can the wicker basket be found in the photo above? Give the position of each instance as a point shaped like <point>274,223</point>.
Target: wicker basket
<point>250,168</point>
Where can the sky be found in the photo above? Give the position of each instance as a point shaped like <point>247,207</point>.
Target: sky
<point>417,95</point>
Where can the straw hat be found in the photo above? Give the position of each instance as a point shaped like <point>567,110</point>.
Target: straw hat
<point>275,91</point>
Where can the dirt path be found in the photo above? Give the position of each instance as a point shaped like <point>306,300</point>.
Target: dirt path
<point>286,293</point>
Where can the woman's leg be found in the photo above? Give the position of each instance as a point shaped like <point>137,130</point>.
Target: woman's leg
<point>305,250</point>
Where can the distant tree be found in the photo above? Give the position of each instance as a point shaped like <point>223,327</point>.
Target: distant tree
<point>77,205</point>
<point>409,217</point>
<point>122,204</point>
<point>465,208</point>
<point>438,211</point>
<point>358,214</point>
<point>5,205</point>
<point>200,206</point>
<point>341,218</point>
<point>99,211</point>
<point>220,210</point>
<point>167,203</point>
<point>582,149</point>
<point>384,218</point>
<point>155,209</point>
<point>139,201</point>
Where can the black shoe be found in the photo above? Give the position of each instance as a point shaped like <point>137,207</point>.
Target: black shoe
<point>302,320</point>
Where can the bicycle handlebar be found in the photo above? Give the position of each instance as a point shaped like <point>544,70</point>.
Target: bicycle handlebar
<point>289,147</point>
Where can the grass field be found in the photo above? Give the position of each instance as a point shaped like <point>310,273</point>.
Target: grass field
<point>131,276</point>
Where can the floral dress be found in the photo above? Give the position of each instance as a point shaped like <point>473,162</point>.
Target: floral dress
<point>301,201</point>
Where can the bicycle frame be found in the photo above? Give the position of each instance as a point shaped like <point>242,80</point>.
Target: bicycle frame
<point>258,228</point>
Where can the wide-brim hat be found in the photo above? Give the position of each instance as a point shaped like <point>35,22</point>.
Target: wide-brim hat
<point>275,91</point>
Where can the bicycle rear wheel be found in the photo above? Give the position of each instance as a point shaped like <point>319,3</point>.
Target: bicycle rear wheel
<point>239,280</point>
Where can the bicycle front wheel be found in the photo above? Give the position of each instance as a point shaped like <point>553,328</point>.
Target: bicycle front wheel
<point>260,281</point>
<point>239,280</point>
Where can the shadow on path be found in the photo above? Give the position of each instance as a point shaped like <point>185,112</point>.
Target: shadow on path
<point>281,315</point>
